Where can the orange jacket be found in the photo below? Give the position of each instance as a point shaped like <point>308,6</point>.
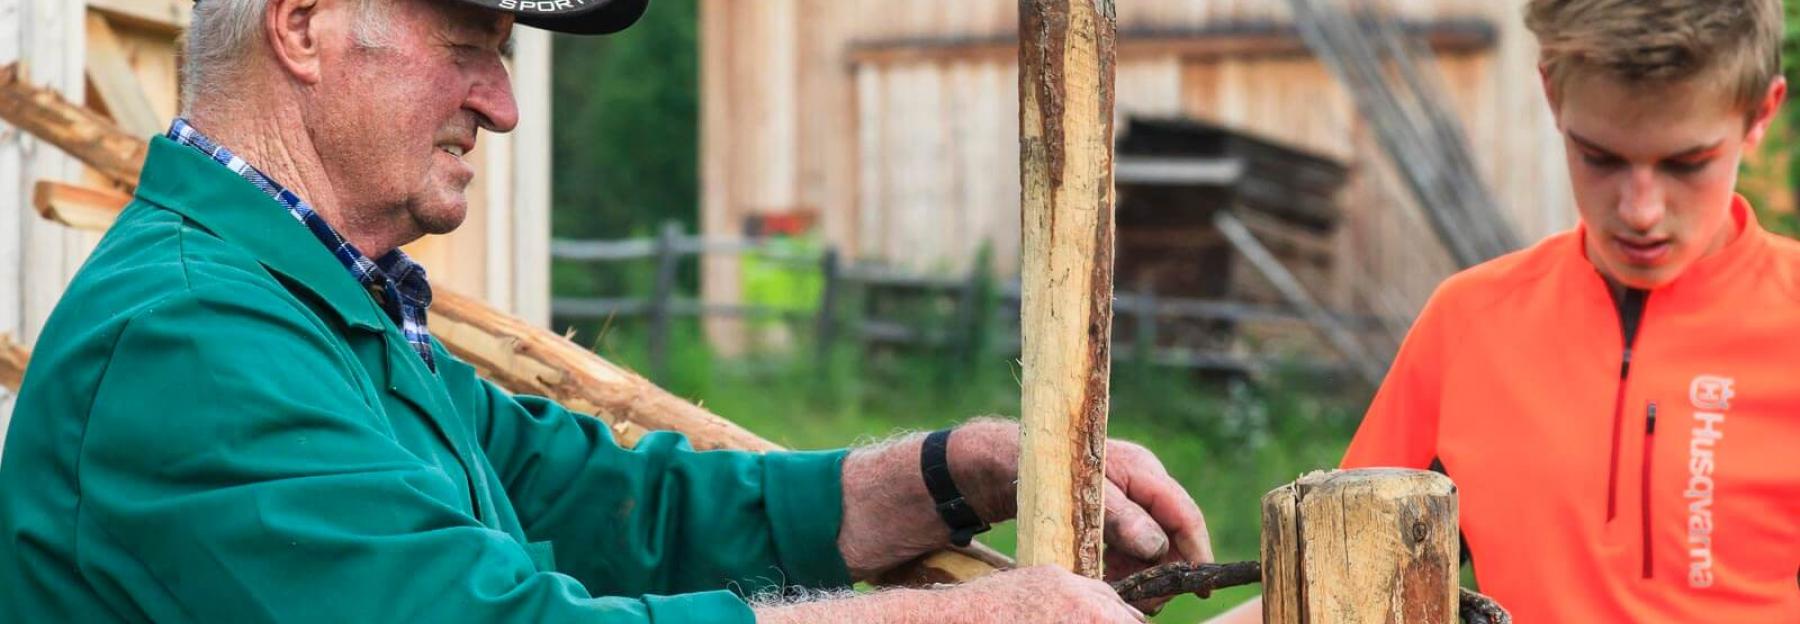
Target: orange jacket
<point>1659,483</point>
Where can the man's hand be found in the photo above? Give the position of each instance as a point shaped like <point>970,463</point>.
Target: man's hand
<point>1041,594</point>
<point>1150,518</point>
<point>889,518</point>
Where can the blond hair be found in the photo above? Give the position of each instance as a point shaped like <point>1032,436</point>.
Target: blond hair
<point>1735,44</point>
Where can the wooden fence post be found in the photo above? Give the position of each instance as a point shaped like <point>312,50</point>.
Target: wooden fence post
<point>826,333</point>
<point>1145,336</point>
<point>966,331</point>
<point>1361,547</point>
<point>661,303</point>
<point>1066,74</point>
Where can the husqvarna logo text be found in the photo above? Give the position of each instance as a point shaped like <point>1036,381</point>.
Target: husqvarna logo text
<point>1711,397</point>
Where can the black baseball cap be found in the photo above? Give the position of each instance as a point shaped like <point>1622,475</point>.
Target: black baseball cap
<point>577,17</point>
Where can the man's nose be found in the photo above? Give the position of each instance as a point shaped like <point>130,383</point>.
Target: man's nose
<point>1641,204</point>
<point>491,99</point>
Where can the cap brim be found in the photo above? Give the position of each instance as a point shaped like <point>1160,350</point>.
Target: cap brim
<point>576,17</point>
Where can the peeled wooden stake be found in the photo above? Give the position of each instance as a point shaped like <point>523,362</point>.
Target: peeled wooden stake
<point>1066,54</point>
<point>1361,547</point>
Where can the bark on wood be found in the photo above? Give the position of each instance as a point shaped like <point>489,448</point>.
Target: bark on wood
<point>1066,55</point>
<point>1361,546</point>
<point>1179,578</point>
<point>12,363</point>
<point>82,133</point>
<point>516,355</point>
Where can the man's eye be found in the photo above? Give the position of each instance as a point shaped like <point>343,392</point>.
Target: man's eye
<point>1685,167</point>
<point>1601,161</point>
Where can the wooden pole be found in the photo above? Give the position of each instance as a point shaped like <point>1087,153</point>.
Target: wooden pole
<point>1066,72</point>
<point>1361,547</point>
<point>667,261</point>
<point>518,356</point>
<point>826,332</point>
<point>82,133</point>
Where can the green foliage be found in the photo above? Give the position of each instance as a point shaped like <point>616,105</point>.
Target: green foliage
<point>626,151</point>
<point>778,281</point>
<point>626,146</point>
<point>1786,124</point>
<point>1228,442</point>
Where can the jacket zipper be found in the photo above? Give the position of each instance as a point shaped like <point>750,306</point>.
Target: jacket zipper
<point>1631,313</point>
<point>1612,474</point>
<point>1649,450</point>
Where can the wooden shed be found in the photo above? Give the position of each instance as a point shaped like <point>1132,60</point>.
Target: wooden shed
<point>897,124</point>
<point>119,57</point>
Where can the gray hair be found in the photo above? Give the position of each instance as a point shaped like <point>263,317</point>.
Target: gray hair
<point>224,33</point>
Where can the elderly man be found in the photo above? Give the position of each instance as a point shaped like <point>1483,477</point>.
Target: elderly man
<point>238,414</point>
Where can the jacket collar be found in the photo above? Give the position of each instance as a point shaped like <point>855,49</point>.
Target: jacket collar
<point>189,183</point>
<point>1720,269</point>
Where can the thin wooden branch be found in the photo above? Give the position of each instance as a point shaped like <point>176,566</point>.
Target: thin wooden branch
<point>1067,50</point>
<point>1176,579</point>
<point>12,363</point>
<point>521,358</point>
<point>1478,608</point>
<point>1179,578</point>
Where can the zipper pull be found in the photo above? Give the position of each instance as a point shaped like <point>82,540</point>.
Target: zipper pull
<point>1650,419</point>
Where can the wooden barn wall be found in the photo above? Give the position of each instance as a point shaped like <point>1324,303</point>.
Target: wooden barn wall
<point>913,161</point>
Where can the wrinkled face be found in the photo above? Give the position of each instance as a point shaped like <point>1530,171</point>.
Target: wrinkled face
<point>398,118</point>
<point>1653,169</point>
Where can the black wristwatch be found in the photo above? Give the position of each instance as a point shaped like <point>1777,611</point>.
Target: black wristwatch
<point>934,461</point>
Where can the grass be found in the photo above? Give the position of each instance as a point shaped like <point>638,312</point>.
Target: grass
<point>1227,442</point>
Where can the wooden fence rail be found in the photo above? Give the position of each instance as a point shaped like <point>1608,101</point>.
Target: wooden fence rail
<point>830,319</point>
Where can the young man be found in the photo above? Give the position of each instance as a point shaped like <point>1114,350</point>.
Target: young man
<point>1618,404</point>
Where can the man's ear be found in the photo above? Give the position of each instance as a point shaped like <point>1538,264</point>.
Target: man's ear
<point>1550,94</point>
<point>1765,113</point>
<point>293,35</point>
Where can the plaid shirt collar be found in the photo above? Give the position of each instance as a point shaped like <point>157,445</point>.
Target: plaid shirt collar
<point>394,280</point>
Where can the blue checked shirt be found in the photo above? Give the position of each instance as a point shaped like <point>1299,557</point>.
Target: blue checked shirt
<point>395,280</point>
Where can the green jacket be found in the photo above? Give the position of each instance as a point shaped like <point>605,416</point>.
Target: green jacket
<point>220,425</point>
